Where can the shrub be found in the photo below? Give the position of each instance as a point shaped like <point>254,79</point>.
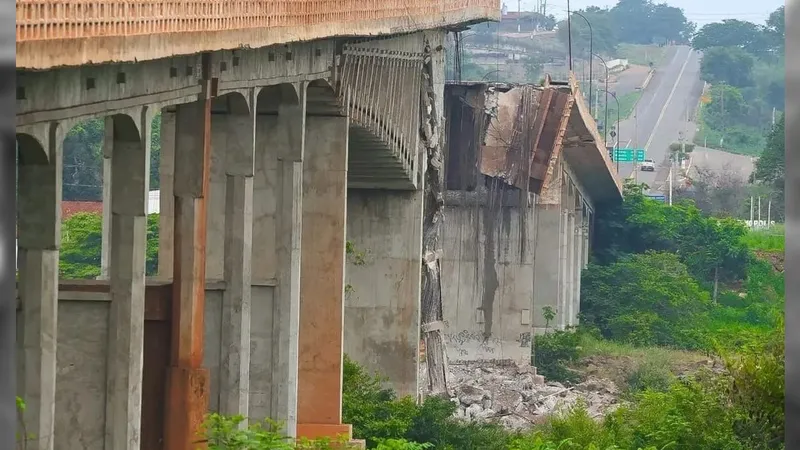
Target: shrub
<point>649,375</point>
<point>374,412</point>
<point>227,433</point>
<point>644,299</point>
<point>401,444</point>
<point>757,390</point>
<point>553,352</point>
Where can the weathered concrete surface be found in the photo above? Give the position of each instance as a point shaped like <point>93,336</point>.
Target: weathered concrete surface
<point>183,29</point>
<point>382,305</point>
<point>319,408</point>
<point>487,279</point>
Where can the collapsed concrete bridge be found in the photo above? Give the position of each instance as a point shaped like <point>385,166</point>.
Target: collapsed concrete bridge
<point>287,129</point>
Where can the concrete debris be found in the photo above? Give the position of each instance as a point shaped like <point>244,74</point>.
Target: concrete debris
<point>518,398</point>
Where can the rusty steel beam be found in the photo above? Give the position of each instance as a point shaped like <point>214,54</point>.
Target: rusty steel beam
<point>535,184</point>
<point>189,383</point>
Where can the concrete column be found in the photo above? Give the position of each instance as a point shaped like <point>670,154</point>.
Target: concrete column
<point>586,232</point>
<point>563,261</point>
<point>547,265</point>
<point>130,169</point>
<point>105,255</point>
<point>188,382</point>
<point>288,237</point>
<point>166,218</point>
<point>578,264</point>
<point>322,279</point>
<point>39,225</point>
<point>234,383</point>
<point>571,261</point>
<point>382,313</point>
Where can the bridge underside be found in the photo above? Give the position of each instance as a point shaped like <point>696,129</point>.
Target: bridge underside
<point>305,147</point>
<point>290,232</point>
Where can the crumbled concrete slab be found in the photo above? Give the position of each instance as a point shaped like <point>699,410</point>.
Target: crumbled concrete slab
<point>517,397</point>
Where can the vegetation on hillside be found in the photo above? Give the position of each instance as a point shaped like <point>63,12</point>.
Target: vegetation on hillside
<point>641,22</point>
<point>82,243</point>
<point>744,63</point>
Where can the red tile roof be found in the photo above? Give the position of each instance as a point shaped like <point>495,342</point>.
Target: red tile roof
<point>69,209</point>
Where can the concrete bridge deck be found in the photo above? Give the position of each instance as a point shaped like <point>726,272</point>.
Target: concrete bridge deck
<point>287,129</point>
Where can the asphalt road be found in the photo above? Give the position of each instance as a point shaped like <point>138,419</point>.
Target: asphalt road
<point>665,110</point>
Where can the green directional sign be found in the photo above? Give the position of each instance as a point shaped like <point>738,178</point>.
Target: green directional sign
<point>629,154</point>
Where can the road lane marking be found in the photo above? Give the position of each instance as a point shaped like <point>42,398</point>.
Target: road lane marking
<point>664,110</point>
<point>669,99</point>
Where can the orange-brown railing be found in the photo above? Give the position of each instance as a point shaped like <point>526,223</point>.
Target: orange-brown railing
<point>75,19</point>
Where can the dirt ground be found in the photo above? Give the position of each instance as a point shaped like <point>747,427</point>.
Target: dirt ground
<point>628,80</point>
<point>719,161</point>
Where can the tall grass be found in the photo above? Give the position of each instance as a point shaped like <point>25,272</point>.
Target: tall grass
<point>768,240</point>
<point>641,54</point>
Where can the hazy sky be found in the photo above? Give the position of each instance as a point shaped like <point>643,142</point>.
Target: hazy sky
<point>700,12</point>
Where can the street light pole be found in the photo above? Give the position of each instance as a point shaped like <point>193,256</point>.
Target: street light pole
<point>616,144</point>
<point>605,120</point>
<point>569,38</point>
<point>591,51</point>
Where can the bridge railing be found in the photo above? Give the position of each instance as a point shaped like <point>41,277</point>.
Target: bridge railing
<point>52,33</point>
<point>75,19</point>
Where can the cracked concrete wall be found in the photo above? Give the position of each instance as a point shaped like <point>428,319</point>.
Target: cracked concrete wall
<point>382,302</point>
<point>487,282</point>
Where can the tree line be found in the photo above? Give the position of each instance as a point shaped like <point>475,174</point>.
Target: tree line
<point>744,63</point>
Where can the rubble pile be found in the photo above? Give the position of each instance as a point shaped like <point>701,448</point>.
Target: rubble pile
<point>517,397</point>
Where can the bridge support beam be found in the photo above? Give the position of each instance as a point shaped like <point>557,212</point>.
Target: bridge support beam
<point>547,247</point>
<point>322,279</point>
<point>130,167</point>
<point>291,129</point>
<point>238,126</point>
<point>39,228</point>
<point>382,314</point>
<point>188,382</point>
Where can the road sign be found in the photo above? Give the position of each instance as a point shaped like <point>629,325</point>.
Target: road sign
<point>629,154</point>
<point>658,197</point>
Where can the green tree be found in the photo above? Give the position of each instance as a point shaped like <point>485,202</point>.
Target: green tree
<point>732,33</point>
<point>726,108</point>
<point>602,33</point>
<point>770,168</point>
<point>669,23</point>
<point>640,224</point>
<point>643,22</point>
<point>83,161</point>
<point>776,30</point>
<point>730,65</point>
<point>644,299</point>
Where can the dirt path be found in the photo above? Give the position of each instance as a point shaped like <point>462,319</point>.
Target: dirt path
<point>719,162</point>
<point>628,81</point>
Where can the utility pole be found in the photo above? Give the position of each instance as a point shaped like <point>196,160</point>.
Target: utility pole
<point>670,181</point>
<point>519,14</point>
<point>769,213</point>
<point>751,212</point>
<point>759,211</point>
<point>569,36</point>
